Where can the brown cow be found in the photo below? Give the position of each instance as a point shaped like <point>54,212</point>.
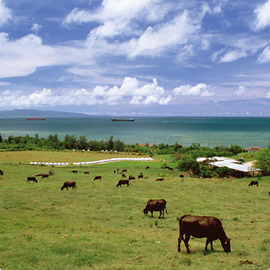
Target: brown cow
<point>31,178</point>
<point>181,176</point>
<point>86,172</point>
<point>69,184</point>
<point>160,179</point>
<point>123,175</point>
<point>124,170</point>
<point>147,167</point>
<point>131,177</point>
<point>123,182</point>
<point>74,171</point>
<point>253,183</point>
<point>45,175</point>
<point>140,176</point>
<point>97,177</point>
<point>155,205</point>
<point>202,226</point>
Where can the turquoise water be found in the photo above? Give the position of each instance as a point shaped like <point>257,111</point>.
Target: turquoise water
<point>212,131</point>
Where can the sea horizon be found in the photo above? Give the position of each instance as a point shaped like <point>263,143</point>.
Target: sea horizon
<point>209,131</point>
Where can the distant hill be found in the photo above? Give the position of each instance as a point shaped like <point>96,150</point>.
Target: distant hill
<point>24,113</point>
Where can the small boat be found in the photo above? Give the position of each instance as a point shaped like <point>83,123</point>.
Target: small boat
<point>123,119</point>
<point>37,118</point>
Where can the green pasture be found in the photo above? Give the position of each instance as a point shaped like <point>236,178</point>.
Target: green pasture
<point>100,226</point>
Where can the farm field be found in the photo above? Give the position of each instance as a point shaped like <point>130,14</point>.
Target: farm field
<point>100,226</point>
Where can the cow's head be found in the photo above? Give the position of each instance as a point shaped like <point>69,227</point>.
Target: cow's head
<point>226,245</point>
<point>145,211</point>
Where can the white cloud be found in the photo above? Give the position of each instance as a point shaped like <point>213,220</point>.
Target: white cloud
<point>162,37</point>
<point>5,14</point>
<point>262,16</point>
<point>21,57</point>
<point>130,90</point>
<point>35,28</point>
<point>188,90</point>
<point>232,56</point>
<point>265,56</point>
<point>241,90</point>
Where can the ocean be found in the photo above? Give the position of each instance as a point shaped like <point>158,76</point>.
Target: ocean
<point>207,131</point>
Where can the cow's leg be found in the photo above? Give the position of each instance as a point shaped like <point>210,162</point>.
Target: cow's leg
<point>179,242</point>
<point>186,242</point>
<point>152,214</point>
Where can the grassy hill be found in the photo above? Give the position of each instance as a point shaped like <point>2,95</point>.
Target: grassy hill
<point>100,226</point>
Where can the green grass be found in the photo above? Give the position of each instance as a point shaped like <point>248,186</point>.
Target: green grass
<point>100,226</point>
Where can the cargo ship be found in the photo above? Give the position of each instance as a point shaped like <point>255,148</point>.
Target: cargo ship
<point>37,118</point>
<point>122,119</point>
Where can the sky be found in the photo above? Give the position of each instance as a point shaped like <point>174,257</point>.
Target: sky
<point>143,57</point>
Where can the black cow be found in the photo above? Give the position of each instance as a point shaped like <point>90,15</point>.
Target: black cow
<point>123,175</point>
<point>171,169</point>
<point>140,176</point>
<point>69,184</point>
<point>97,177</point>
<point>31,178</point>
<point>124,170</point>
<point>155,205</point>
<point>45,175</point>
<point>202,226</point>
<point>181,176</point>
<point>131,177</point>
<point>253,183</point>
<point>147,167</point>
<point>86,172</point>
<point>74,171</point>
<point>160,179</point>
<point>123,182</point>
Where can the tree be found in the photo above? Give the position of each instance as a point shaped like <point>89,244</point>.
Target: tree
<point>206,172</point>
<point>224,171</point>
<point>189,165</point>
<point>263,161</point>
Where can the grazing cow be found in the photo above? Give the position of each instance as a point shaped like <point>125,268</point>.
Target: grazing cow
<point>97,177</point>
<point>155,205</point>
<point>124,170</point>
<point>269,192</point>
<point>160,179</point>
<point>253,183</point>
<point>74,171</point>
<point>202,226</point>
<point>123,175</point>
<point>140,176</point>
<point>31,178</point>
<point>181,176</point>
<point>86,172</point>
<point>171,169</point>
<point>131,177</point>
<point>69,184</point>
<point>147,167</point>
<point>45,175</point>
<point>123,182</point>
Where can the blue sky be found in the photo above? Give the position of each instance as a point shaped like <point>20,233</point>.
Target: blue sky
<point>143,57</point>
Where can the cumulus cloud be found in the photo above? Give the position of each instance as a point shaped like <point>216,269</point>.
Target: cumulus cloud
<point>22,56</point>
<point>159,38</point>
<point>262,16</point>
<point>130,91</point>
<point>35,28</point>
<point>265,56</point>
<point>5,14</point>
<point>240,92</point>
<point>188,90</point>
<point>232,56</point>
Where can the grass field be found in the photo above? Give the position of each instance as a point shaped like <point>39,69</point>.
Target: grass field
<point>100,226</point>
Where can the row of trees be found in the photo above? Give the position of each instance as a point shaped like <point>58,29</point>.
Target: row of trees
<point>193,167</point>
<point>72,142</point>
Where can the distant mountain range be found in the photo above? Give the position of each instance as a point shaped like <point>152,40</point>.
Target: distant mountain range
<point>24,113</point>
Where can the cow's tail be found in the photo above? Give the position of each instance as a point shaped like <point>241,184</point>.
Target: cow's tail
<point>166,211</point>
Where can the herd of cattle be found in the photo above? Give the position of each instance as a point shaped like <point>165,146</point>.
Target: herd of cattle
<point>189,225</point>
